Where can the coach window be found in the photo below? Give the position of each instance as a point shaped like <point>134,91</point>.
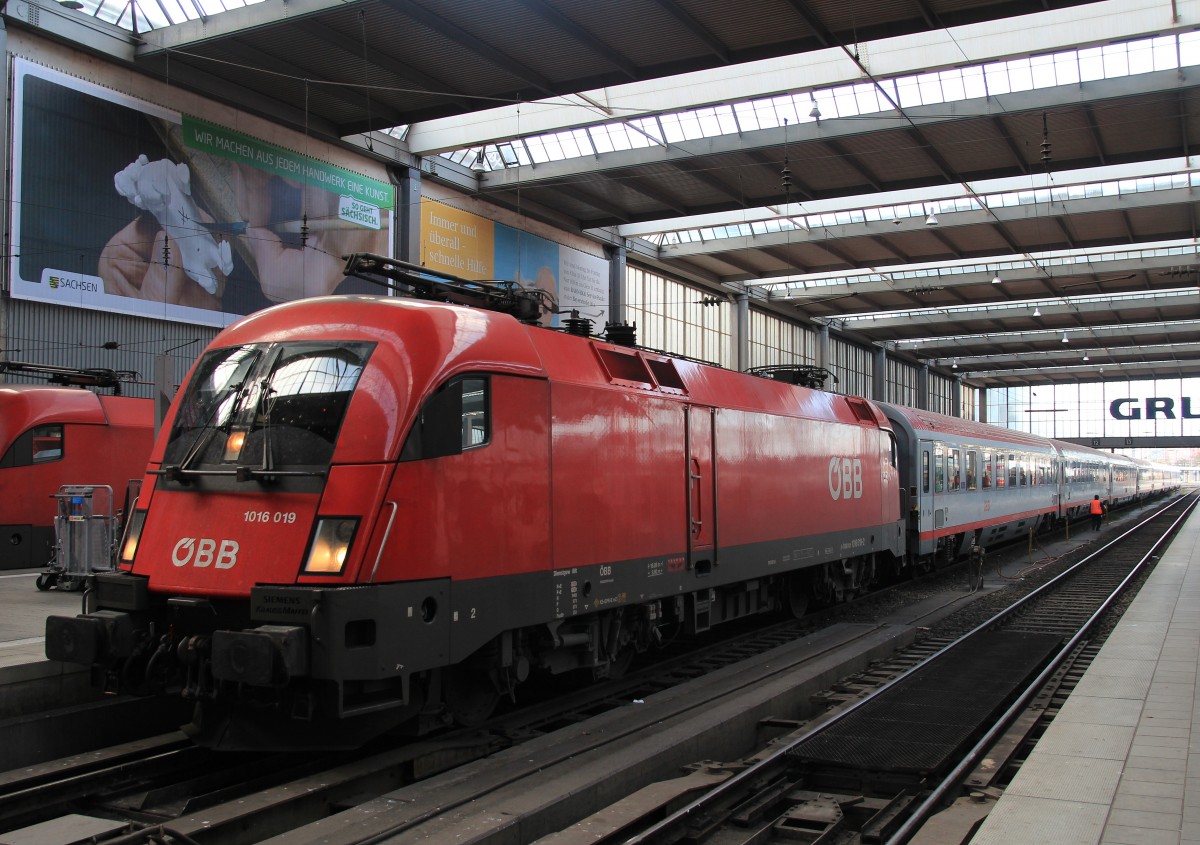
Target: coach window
<point>987,469</point>
<point>972,468</point>
<point>1012,470</point>
<point>924,472</point>
<point>954,469</point>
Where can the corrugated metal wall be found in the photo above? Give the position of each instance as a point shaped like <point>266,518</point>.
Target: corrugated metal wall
<point>42,333</point>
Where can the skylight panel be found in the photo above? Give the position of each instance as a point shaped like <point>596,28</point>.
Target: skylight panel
<point>169,10</point>
<point>1067,67</point>
<point>156,14</point>
<point>1189,48</point>
<point>747,116</point>
<point>650,132</point>
<point>1116,60</point>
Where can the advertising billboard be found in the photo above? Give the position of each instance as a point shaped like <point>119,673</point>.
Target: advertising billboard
<point>121,205</point>
<point>476,248</point>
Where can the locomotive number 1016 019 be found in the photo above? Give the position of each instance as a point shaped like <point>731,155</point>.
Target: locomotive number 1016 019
<point>283,517</point>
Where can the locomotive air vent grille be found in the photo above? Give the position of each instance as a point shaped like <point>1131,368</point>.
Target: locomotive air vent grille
<point>625,366</point>
<point>665,373</point>
<point>861,409</point>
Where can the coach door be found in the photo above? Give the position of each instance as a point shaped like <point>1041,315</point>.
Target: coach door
<point>932,490</point>
<point>701,489</point>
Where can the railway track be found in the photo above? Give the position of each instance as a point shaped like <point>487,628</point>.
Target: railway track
<point>161,788</point>
<point>823,780</point>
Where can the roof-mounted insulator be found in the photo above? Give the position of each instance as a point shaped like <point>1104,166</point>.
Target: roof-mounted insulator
<point>578,326</point>
<point>622,334</point>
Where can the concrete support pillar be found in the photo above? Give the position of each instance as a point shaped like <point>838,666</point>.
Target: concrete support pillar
<point>982,394</point>
<point>956,398</point>
<point>923,387</point>
<point>407,237</point>
<point>741,332</point>
<point>823,359</point>
<point>879,382</point>
<point>616,283</point>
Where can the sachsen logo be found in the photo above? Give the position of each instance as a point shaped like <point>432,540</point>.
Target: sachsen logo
<point>73,283</point>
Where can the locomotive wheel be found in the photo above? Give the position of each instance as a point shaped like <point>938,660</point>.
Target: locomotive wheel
<point>620,664</point>
<point>797,595</point>
<point>469,694</point>
<point>45,581</point>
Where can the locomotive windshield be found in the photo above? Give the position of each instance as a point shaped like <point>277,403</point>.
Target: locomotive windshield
<point>264,409</point>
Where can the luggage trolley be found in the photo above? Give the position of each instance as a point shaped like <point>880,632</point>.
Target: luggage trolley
<point>86,531</point>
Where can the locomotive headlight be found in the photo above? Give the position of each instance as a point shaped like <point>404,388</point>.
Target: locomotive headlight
<point>234,443</point>
<point>330,545</point>
<point>133,534</point>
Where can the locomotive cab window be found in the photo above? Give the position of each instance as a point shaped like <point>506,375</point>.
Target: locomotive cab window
<point>39,445</point>
<point>266,406</point>
<point>455,419</point>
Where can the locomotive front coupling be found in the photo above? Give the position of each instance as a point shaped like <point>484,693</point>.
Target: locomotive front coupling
<point>91,638</point>
<point>267,656</point>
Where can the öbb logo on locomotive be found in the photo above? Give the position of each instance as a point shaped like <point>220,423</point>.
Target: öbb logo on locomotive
<point>199,553</point>
<point>845,478</point>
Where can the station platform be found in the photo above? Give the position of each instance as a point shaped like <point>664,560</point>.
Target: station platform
<point>28,681</point>
<point>23,623</point>
<point>1120,764</point>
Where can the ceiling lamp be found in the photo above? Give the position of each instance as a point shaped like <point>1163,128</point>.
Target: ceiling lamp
<point>1064,340</point>
<point>1086,357</point>
<point>1037,312</point>
<point>996,278</point>
<point>815,113</point>
<point>954,366</point>
<point>931,220</point>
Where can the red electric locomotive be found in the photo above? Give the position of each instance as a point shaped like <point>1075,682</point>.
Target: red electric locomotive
<point>50,436</point>
<point>364,511</point>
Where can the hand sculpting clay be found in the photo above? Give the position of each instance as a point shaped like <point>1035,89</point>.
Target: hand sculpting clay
<point>164,189</point>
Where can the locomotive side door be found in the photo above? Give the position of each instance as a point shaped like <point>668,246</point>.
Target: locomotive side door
<point>701,487</point>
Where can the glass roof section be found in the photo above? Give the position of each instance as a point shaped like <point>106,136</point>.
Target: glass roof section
<point>1072,333</point>
<point>969,201</point>
<point>1067,67</point>
<point>1019,266</point>
<point>1159,298</point>
<point>145,15</point>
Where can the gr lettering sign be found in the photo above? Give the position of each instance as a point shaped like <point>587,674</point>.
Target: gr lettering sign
<point>1153,408</point>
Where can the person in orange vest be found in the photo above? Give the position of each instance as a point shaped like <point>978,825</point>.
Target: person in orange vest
<point>1097,512</point>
